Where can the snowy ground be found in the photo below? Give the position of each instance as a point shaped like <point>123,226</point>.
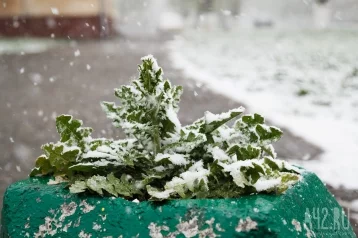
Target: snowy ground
<point>306,81</point>
<point>25,46</point>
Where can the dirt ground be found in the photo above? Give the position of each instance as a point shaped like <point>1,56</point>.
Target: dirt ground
<point>72,78</point>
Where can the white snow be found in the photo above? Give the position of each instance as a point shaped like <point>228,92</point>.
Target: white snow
<point>177,159</point>
<point>36,78</point>
<point>171,21</point>
<point>195,172</point>
<point>269,70</point>
<point>77,53</point>
<point>69,148</point>
<point>98,154</point>
<point>57,180</point>
<point>25,46</point>
<point>54,11</point>
<point>210,117</point>
<point>155,63</point>
<point>219,154</point>
<point>173,117</point>
<point>354,205</point>
<point>163,194</point>
<point>264,184</point>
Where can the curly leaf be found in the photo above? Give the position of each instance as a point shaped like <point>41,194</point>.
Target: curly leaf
<point>71,131</point>
<point>78,187</point>
<point>42,166</point>
<point>60,157</point>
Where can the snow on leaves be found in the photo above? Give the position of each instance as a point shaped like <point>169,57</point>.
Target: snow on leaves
<point>160,159</point>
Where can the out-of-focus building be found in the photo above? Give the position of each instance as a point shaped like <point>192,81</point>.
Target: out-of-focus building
<point>301,13</point>
<point>57,18</point>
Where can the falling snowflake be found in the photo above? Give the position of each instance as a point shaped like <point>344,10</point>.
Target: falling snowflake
<point>77,53</point>
<point>54,11</point>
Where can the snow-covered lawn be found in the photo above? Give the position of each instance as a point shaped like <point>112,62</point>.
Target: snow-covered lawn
<point>306,81</point>
<point>23,46</point>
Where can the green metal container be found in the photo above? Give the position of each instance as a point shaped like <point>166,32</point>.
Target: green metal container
<point>32,208</point>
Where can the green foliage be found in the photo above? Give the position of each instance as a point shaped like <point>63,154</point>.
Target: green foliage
<point>160,159</point>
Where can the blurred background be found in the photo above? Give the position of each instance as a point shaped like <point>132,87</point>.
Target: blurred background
<point>296,62</point>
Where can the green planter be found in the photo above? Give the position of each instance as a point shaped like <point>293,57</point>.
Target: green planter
<point>34,209</point>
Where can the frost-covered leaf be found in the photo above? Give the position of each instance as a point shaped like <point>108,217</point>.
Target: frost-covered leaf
<point>78,187</point>
<point>99,183</point>
<point>268,149</point>
<point>214,121</point>
<point>268,134</point>
<point>95,166</point>
<point>252,120</point>
<point>42,166</point>
<point>176,159</point>
<point>244,152</point>
<point>123,186</point>
<point>71,130</point>
<point>185,142</point>
<point>156,194</point>
<point>59,157</point>
<point>112,112</point>
<point>256,132</point>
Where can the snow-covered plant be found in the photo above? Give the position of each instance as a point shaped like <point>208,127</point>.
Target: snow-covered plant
<point>160,159</point>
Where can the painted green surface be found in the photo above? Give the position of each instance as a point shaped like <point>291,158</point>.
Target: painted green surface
<point>31,207</point>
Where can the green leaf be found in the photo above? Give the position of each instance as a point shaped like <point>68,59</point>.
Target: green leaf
<point>78,187</point>
<point>112,112</point>
<point>253,173</point>
<point>272,164</point>
<point>269,134</point>
<point>245,153</point>
<point>269,150</point>
<point>122,186</point>
<point>93,167</point>
<point>256,131</point>
<point>158,195</point>
<point>42,166</point>
<point>71,131</point>
<point>59,157</point>
<point>200,189</point>
<point>252,120</point>
<point>214,121</point>
<point>188,141</point>
<point>99,183</point>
